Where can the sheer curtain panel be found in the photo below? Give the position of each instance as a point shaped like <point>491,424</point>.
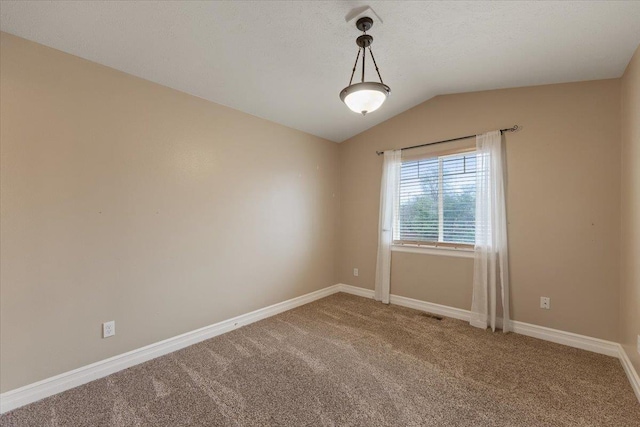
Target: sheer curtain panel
<point>490,306</point>
<point>388,194</point>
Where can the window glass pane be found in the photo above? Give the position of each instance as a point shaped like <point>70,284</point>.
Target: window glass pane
<point>459,201</point>
<point>418,210</point>
<point>423,213</point>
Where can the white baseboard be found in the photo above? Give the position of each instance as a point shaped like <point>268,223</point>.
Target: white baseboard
<point>354,290</point>
<point>48,387</point>
<point>570,339</point>
<point>441,310</point>
<point>33,392</point>
<point>634,379</point>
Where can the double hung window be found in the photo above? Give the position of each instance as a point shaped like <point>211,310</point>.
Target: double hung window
<point>436,201</point>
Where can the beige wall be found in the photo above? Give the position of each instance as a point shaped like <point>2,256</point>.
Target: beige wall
<point>630,252</point>
<point>125,200</point>
<point>563,202</point>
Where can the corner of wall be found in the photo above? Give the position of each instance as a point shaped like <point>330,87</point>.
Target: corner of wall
<point>629,280</point>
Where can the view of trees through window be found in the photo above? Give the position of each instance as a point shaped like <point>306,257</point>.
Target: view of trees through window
<point>437,200</point>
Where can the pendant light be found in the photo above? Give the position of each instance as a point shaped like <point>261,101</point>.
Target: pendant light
<point>364,97</point>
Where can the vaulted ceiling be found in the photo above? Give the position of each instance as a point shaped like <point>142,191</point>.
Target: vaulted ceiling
<point>287,61</point>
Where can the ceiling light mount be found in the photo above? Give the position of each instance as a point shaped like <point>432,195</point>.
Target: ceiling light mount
<point>364,24</point>
<point>364,97</point>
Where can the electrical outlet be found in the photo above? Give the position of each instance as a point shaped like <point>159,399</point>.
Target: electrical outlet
<point>108,329</point>
<point>545,302</point>
<point>355,272</point>
<point>638,344</point>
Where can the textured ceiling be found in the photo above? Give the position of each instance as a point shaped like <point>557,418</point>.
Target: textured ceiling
<point>287,61</point>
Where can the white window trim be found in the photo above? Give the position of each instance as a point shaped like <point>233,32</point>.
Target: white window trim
<point>434,250</point>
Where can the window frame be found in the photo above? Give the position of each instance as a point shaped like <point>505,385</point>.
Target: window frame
<point>431,246</point>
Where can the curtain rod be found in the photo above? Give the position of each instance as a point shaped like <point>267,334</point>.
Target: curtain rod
<point>513,129</point>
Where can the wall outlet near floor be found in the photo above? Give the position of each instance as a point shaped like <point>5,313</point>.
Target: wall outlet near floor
<point>638,344</point>
<point>545,302</point>
<point>355,272</point>
<point>108,329</point>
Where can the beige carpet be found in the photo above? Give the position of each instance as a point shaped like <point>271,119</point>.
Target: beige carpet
<point>349,361</point>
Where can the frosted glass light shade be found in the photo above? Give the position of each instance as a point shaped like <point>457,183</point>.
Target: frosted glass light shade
<point>365,97</point>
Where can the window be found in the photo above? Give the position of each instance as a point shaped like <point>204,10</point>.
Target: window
<point>437,201</point>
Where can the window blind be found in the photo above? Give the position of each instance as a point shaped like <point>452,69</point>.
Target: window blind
<point>436,202</point>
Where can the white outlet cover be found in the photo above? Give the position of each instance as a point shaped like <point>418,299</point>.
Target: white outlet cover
<point>108,329</point>
<point>545,302</point>
<point>355,272</point>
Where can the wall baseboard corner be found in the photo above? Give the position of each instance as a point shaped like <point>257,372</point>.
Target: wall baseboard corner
<point>631,372</point>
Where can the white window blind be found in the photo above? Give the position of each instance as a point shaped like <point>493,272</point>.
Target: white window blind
<point>436,203</point>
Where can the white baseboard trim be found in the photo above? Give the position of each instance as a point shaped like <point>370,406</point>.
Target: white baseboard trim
<point>354,290</point>
<point>596,345</point>
<point>441,310</point>
<point>48,387</point>
<point>631,372</point>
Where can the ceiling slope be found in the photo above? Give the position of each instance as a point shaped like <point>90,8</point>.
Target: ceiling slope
<point>288,61</point>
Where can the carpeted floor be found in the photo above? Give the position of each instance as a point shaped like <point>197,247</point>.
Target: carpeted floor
<point>349,361</point>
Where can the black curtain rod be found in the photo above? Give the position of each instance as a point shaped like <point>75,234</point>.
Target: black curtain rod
<point>513,129</point>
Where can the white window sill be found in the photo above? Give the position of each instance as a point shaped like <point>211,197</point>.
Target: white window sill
<point>433,250</point>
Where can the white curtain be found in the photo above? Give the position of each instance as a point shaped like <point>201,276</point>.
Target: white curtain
<point>388,196</point>
<point>491,261</point>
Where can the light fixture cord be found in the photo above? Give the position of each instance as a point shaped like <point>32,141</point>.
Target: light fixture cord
<point>376,65</point>
<point>364,50</point>
<point>354,66</point>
